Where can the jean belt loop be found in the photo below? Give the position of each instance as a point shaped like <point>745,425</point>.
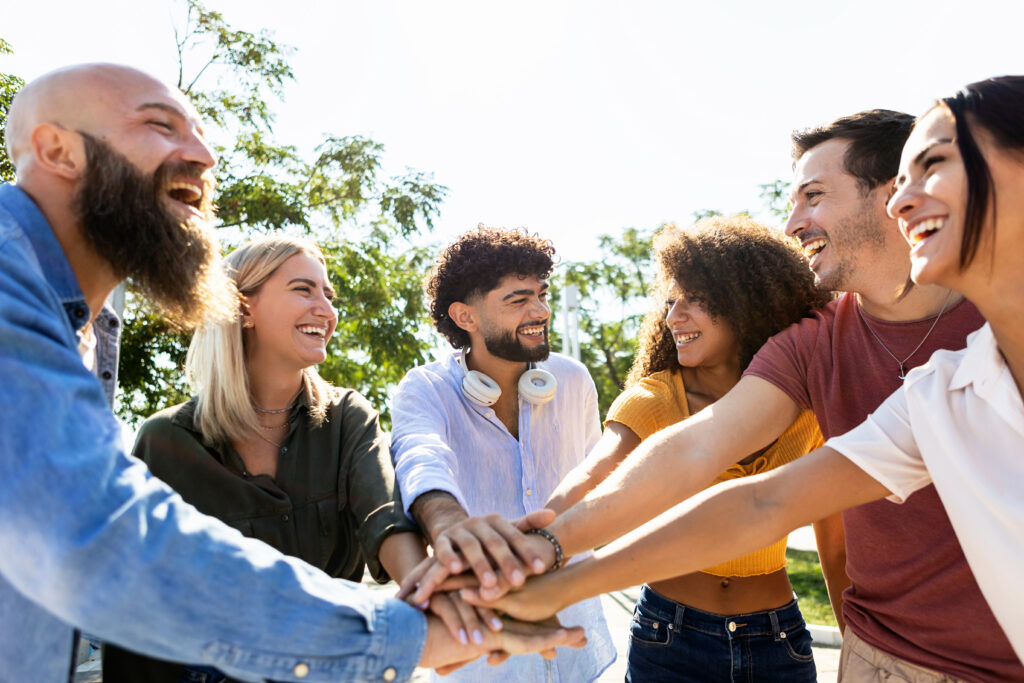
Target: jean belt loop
<point>677,624</point>
<point>774,616</point>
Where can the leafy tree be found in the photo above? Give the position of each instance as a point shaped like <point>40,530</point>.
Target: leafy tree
<point>367,225</point>
<point>9,87</point>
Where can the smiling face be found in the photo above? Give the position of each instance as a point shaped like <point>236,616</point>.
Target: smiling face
<point>289,319</point>
<point>514,319</point>
<point>701,341</point>
<point>838,226</point>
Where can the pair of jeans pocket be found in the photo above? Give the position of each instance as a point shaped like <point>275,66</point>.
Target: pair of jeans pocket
<point>648,629</point>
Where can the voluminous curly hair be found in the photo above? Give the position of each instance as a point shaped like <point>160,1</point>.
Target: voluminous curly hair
<point>742,273</point>
<point>475,264</point>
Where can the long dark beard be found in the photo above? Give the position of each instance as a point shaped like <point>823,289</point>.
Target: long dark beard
<point>505,345</point>
<point>173,262</point>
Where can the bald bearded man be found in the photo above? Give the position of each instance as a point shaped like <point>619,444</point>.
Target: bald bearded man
<point>114,182</point>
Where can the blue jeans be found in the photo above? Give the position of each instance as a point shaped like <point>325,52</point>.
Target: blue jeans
<point>669,641</point>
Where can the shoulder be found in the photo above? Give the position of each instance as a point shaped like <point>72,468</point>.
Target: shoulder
<point>180,416</point>
<point>439,376</point>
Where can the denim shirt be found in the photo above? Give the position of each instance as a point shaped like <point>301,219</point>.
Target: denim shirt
<point>91,540</point>
<point>442,441</point>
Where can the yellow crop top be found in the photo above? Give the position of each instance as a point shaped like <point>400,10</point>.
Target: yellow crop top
<point>659,401</point>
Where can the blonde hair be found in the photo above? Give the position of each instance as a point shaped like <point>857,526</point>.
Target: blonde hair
<point>215,365</point>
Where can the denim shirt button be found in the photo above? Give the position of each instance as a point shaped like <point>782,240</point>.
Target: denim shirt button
<point>389,674</point>
<point>301,670</point>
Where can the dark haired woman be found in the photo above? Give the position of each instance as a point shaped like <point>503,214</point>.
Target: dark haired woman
<point>727,284</point>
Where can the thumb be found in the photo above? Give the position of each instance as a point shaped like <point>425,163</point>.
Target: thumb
<point>535,519</point>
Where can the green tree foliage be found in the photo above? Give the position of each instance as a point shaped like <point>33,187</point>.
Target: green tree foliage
<point>362,222</point>
<point>9,87</point>
<point>612,302</point>
<point>366,224</point>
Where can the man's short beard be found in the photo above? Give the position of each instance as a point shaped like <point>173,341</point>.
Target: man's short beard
<point>172,261</point>
<point>506,346</point>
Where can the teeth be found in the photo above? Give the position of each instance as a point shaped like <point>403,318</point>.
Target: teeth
<point>929,225</point>
<point>682,338</point>
<point>536,330</point>
<point>813,247</point>
<point>312,329</point>
<point>192,193</point>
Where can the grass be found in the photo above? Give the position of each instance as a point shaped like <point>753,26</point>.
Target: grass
<point>809,585</point>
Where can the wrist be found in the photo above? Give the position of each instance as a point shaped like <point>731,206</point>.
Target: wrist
<point>553,549</point>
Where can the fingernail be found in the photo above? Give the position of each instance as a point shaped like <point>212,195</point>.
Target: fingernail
<point>455,568</point>
<point>462,636</point>
<point>489,579</point>
<point>478,637</point>
<point>496,623</point>
<point>423,605</point>
<point>517,577</point>
<point>538,566</point>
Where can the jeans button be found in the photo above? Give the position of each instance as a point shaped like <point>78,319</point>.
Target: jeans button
<point>732,626</point>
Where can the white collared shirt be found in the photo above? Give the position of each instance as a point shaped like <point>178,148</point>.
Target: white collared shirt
<point>442,441</point>
<point>958,422</point>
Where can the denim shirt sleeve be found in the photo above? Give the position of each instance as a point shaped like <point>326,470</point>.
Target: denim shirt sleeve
<point>419,440</point>
<point>92,537</point>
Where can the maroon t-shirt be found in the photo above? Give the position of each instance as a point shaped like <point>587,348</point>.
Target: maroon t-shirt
<point>913,594</point>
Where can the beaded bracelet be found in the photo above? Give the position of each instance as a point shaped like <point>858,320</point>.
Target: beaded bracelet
<point>554,541</point>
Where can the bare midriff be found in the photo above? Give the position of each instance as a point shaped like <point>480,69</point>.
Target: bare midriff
<point>728,594</point>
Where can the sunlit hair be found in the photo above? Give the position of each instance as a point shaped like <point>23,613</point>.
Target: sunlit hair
<point>215,366</point>
<point>996,106</point>
<point>741,273</point>
<point>475,264</point>
<point>876,138</point>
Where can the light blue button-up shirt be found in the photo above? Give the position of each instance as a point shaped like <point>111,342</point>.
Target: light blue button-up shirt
<point>442,441</point>
<point>90,539</point>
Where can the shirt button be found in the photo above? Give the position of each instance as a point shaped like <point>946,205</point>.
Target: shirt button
<point>301,670</point>
<point>529,492</point>
<point>732,626</point>
<point>284,449</point>
<point>79,312</point>
<point>106,374</point>
<point>284,518</point>
<point>112,323</point>
<point>390,674</point>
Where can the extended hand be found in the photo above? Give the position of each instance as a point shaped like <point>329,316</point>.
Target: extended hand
<point>473,543</point>
<point>540,598</point>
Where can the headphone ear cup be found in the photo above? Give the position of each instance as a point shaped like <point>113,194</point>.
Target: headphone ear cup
<point>480,389</point>
<point>537,386</point>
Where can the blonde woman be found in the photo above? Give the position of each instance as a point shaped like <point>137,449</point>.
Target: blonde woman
<point>269,446</point>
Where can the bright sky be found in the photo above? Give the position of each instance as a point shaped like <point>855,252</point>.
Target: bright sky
<point>570,118</point>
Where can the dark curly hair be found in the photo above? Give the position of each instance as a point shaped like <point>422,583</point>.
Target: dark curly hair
<point>740,272</point>
<point>475,263</point>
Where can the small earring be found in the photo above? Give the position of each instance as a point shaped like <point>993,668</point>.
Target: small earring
<point>248,323</point>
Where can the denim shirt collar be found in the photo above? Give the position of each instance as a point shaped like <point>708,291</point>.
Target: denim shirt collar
<point>52,260</point>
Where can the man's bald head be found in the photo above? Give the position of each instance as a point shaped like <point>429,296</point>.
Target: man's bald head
<point>85,97</point>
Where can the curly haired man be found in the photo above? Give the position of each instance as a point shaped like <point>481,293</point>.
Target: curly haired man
<point>487,433</point>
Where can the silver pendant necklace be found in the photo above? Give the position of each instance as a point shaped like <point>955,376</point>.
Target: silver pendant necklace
<point>903,370</point>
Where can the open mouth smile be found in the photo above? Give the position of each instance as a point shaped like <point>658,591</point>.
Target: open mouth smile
<point>924,229</point>
<point>188,193</point>
<point>313,331</point>
<point>533,330</point>
<point>682,338</point>
<point>813,247</point>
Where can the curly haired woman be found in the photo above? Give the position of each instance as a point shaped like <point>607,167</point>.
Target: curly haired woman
<point>726,285</point>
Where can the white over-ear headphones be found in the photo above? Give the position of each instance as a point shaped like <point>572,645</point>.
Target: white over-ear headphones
<point>536,386</point>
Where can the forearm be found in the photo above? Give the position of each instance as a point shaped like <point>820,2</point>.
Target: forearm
<point>654,477</point>
<point>400,553</point>
<point>723,522</point>
<point>617,442</point>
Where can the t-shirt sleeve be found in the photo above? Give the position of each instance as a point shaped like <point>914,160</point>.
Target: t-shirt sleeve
<point>644,407</point>
<point>783,361</point>
<point>884,447</point>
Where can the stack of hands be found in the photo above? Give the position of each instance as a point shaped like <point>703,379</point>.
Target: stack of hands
<point>477,583</point>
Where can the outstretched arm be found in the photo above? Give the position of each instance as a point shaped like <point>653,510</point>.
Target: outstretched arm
<point>725,521</point>
<point>676,463</point>
<point>617,442</point>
